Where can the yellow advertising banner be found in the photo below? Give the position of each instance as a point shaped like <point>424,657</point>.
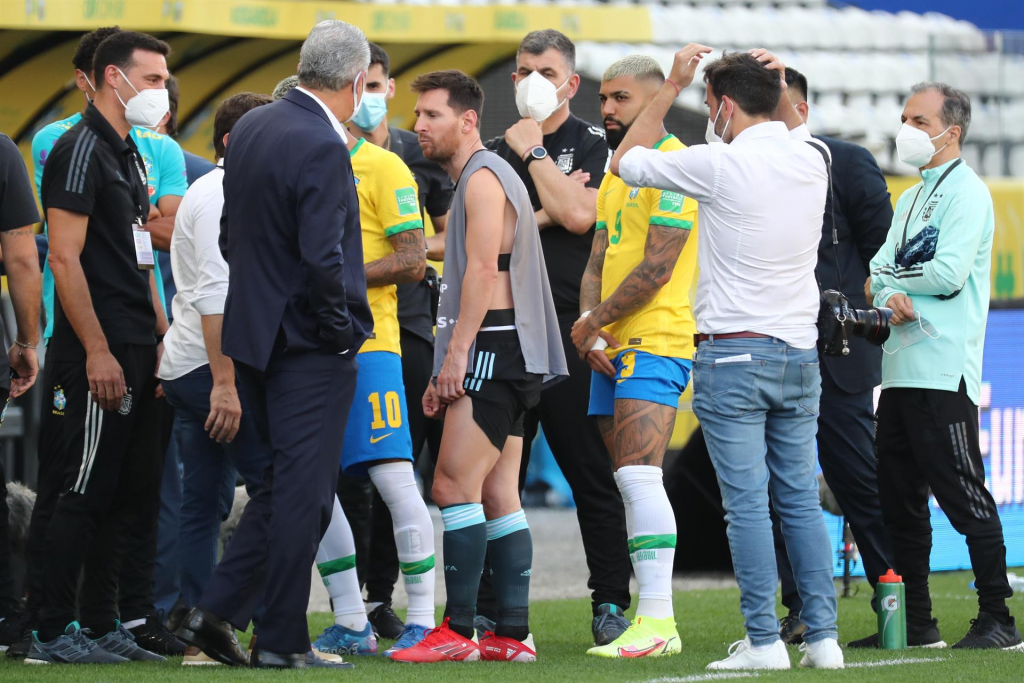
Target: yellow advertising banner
<point>278,19</point>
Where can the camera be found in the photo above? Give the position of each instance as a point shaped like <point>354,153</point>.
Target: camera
<point>836,320</point>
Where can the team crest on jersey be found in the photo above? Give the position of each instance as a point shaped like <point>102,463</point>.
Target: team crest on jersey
<point>60,401</point>
<point>126,402</point>
<point>930,208</point>
<point>564,163</point>
<point>634,192</point>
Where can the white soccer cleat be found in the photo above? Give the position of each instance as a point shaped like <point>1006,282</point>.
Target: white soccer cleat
<point>824,654</point>
<point>742,656</point>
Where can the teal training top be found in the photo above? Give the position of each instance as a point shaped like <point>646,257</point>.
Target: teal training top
<point>944,268</point>
<point>165,175</point>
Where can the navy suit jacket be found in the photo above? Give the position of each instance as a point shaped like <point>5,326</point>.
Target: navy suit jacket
<point>291,236</point>
<point>863,215</point>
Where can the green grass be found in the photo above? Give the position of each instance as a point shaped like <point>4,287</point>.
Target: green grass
<point>708,622</point>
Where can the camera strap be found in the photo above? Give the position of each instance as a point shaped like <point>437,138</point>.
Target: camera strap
<point>823,150</point>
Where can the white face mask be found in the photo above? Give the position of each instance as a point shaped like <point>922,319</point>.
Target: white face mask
<point>358,86</point>
<point>914,147</point>
<point>710,135</point>
<point>147,108</point>
<point>911,333</point>
<point>537,97</point>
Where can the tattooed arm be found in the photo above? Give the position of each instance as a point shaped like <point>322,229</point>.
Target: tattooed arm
<point>407,263</point>
<point>590,287</point>
<point>664,244</point>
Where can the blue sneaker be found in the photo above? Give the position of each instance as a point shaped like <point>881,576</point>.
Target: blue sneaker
<point>411,635</point>
<point>122,643</point>
<point>338,640</point>
<point>71,648</point>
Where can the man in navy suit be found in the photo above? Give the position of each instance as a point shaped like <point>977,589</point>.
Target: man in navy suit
<point>296,314</point>
<point>863,214</point>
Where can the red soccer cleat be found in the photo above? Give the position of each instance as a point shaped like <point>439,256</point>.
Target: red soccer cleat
<point>441,644</point>
<point>501,649</point>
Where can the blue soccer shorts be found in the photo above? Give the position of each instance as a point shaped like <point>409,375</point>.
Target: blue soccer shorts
<point>378,424</point>
<point>641,376</point>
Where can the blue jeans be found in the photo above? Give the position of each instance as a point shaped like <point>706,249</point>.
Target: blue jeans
<point>760,417</point>
<point>208,476</point>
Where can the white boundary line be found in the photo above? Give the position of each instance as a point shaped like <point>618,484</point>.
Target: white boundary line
<point>753,674</point>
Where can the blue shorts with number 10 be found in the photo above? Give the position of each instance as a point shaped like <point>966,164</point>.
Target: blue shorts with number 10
<point>641,376</point>
<point>378,424</point>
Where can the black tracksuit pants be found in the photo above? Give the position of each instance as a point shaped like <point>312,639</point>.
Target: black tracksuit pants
<point>928,439</point>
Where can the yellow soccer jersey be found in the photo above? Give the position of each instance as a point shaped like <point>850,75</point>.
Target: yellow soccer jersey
<point>388,204</point>
<point>665,326</point>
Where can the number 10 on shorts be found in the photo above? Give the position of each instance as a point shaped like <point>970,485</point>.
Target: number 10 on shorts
<point>391,405</point>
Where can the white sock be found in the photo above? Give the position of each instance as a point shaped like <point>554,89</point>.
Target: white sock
<point>414,537</point>
<point>627,506</point>
<point>336,560</point>
<point>652,537</point>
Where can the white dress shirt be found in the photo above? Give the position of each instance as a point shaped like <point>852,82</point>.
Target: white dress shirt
<point>200,273</point>
<point>761,200</point>
<point>330,114</point>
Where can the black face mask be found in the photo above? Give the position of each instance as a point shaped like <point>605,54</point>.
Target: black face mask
<point>616,136</point>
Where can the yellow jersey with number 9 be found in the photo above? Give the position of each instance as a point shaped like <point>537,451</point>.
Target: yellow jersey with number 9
<point>665,325</point>
<point>388,205</point>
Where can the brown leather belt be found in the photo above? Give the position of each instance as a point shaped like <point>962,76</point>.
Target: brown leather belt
<point>698,338</point>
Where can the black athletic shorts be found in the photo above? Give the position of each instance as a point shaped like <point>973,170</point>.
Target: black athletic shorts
<point>497,381</point>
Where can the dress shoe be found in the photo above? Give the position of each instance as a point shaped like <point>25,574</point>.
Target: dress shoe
<point>264,659</point>
<point>214,636</point>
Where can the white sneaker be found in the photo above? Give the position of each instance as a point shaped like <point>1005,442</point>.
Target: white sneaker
<point>824,654</point>
<point>742,656</point>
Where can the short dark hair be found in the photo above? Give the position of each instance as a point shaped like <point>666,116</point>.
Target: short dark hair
<point>741,77</point>
<point>172,99</point>
<point>464,93</point>
<point>797,81</point>
<point>379,56</point>
<point>228,113</point>
<point>86,49</point>
<point>539,42</point>
<point>118,50</point>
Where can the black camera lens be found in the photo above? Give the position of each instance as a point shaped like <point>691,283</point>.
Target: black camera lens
<point>872,325</point>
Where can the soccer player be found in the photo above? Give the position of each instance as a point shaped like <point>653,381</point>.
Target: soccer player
<point>497,343</point>
<point>378,442</point>
<point>635,298</point>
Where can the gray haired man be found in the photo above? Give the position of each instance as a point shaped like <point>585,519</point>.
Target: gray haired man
<point>296,314</point>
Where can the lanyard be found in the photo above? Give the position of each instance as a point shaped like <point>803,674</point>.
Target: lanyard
<point>142,179</point>
<point>914,203</point>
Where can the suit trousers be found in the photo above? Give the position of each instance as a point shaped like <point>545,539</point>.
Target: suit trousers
<point>300,405</point>
<point>846,453</point>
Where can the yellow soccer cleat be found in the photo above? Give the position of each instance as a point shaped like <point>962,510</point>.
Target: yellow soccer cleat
<point>645,637</point>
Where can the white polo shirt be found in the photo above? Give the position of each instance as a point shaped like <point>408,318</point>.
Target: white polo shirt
<point>200,273</point>
<point>761,200</point>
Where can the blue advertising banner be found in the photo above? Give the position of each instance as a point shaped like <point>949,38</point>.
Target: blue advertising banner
<point>1001,414</point>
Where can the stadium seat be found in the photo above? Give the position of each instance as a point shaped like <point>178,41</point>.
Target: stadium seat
<point>1017,161</point>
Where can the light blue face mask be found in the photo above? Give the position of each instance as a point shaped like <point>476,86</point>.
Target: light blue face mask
<point>911,333</point>
<point>372,111</point>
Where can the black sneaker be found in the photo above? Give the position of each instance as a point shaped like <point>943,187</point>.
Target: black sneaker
<point>20,647</point>
<point>608,625</point>
<point>385,622</point>
<point>791,630</point>
<point>154,637</point>
<point>988,633</point>
<point>927,637</point>
<point>11,628</point>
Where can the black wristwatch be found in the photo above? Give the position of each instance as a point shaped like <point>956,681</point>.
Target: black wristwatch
<point>535,154</point>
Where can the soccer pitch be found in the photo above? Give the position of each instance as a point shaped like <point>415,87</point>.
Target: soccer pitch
<point>708,621</point>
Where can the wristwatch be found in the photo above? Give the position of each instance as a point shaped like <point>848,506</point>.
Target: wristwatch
<point>535,154</point>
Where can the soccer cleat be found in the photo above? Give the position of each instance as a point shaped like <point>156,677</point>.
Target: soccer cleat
<point>988,633</point>
<point>609,624</point>
<point>411,635</point>
<point>154,637</point>
<point>120,642</point>
<point>338,640</point>
<point>927,637</point>
<point>482,625</point>
<point>440,644</point>
<point>645,637</point>
<point>385,622</point>
<point>495,648</point>
<point>71,648</point>
<point>791,630</point>
<point>743,656</point>
<point>824,654</point>
<point>196,657</point>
